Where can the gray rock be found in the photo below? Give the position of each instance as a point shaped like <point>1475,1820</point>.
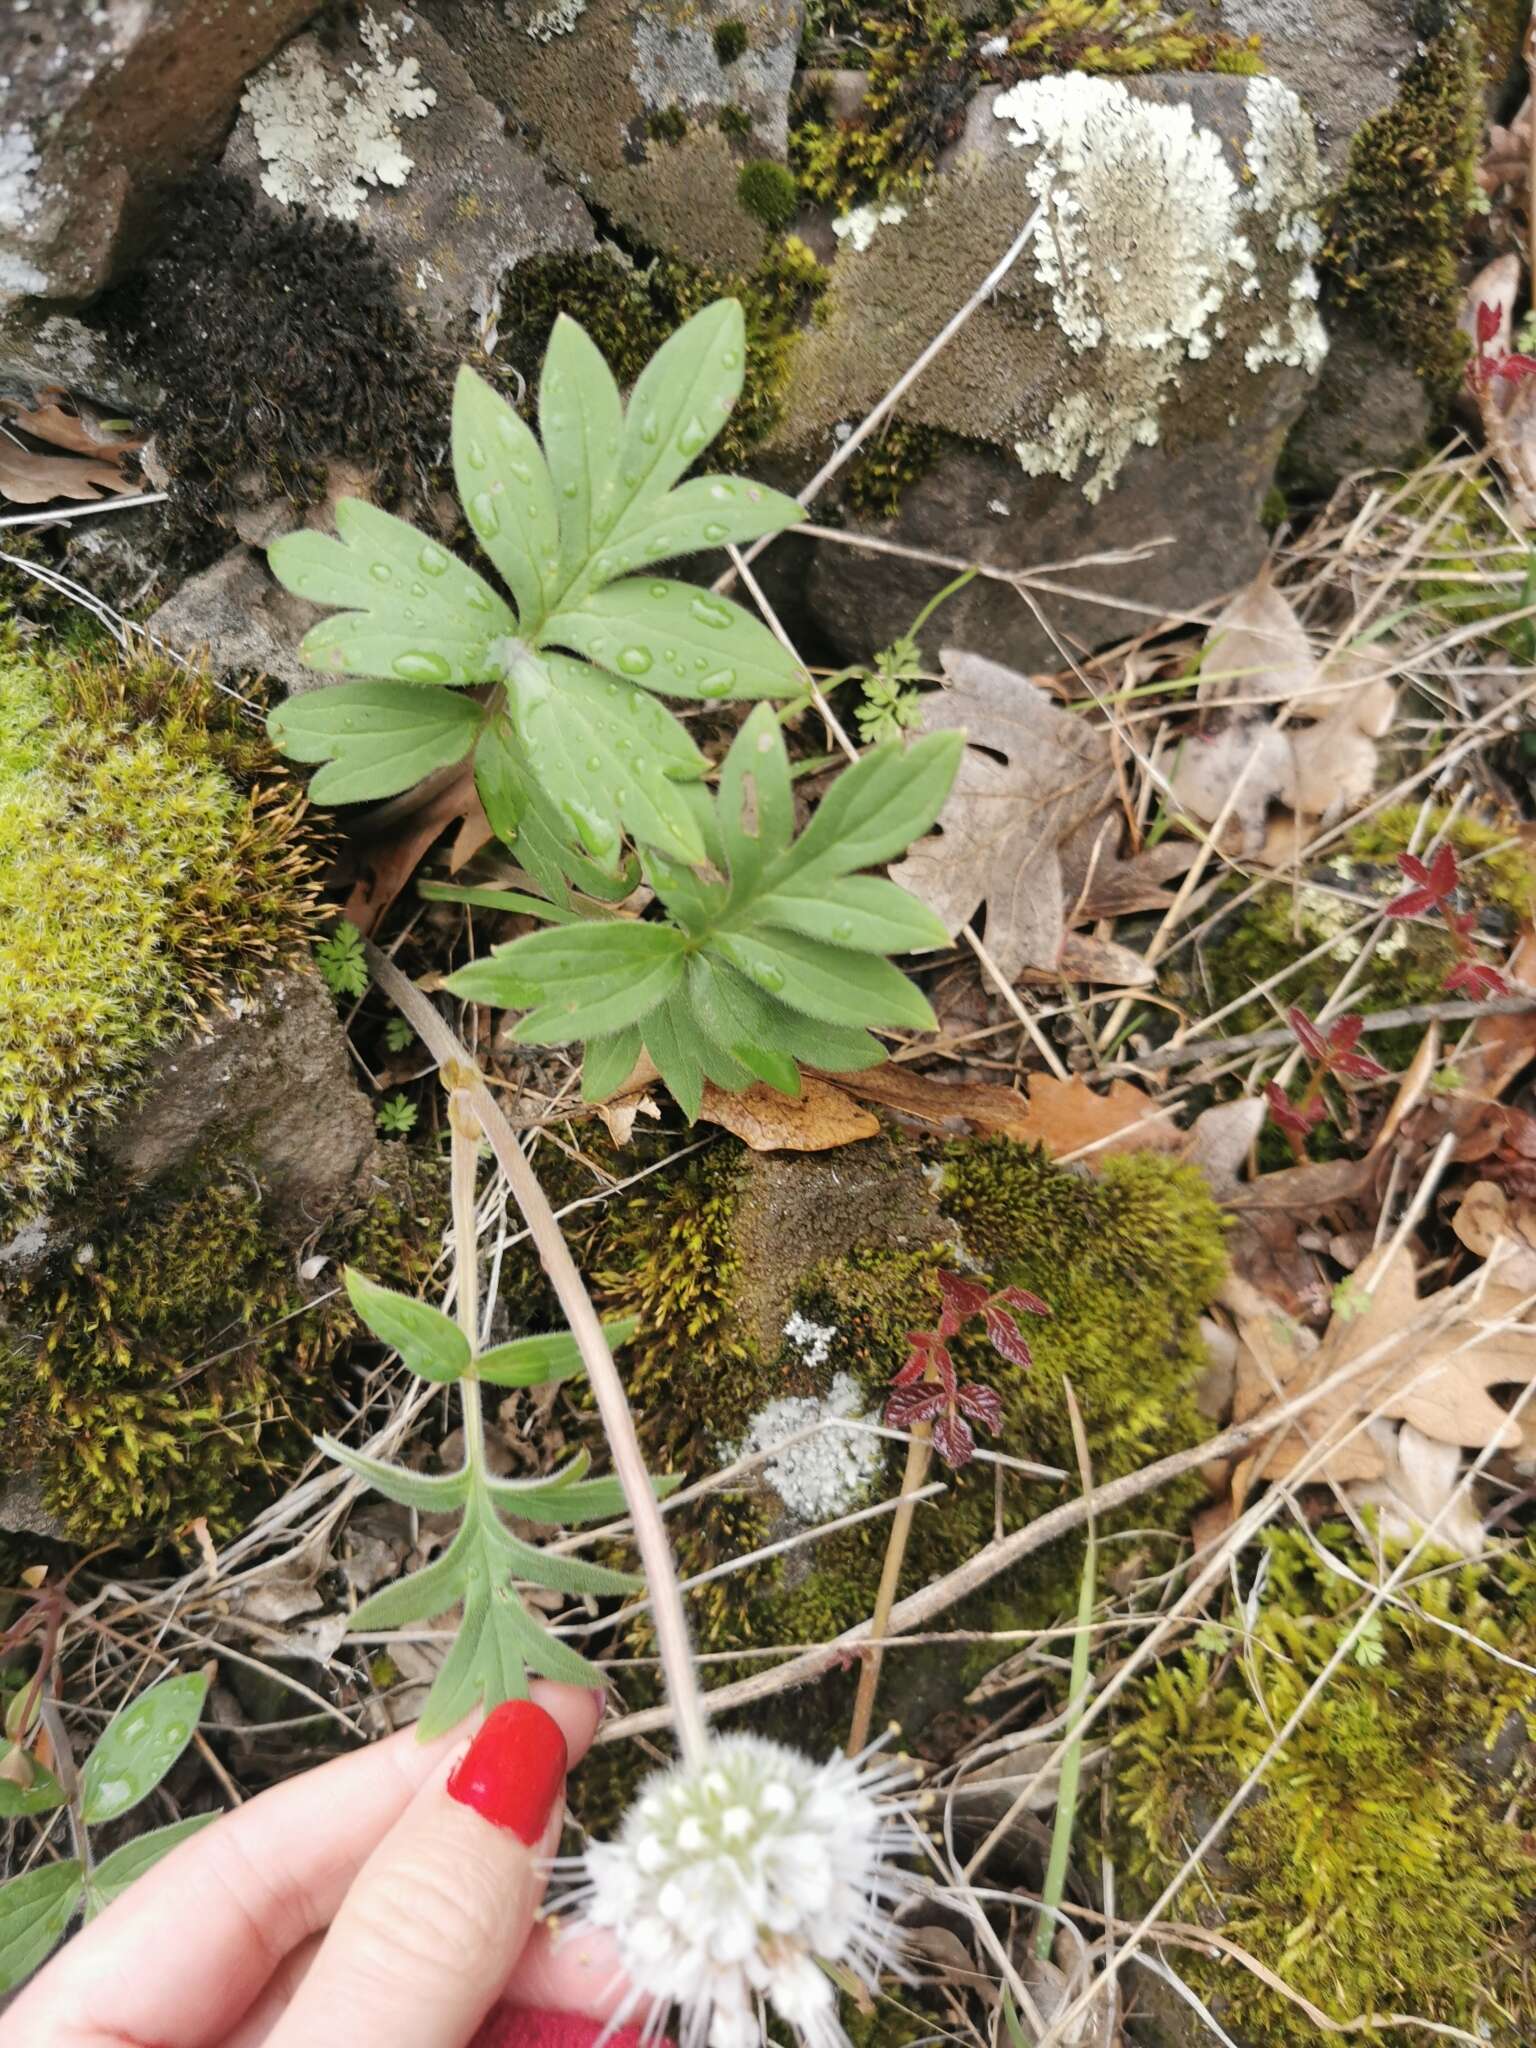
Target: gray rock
<point>270,1080</point>
<point>242,618</point>
<point>1341,57</point>
<point>1368,411</point>
<point>40,351</point>
<point>106,106</point>
<point>24,1512</point>
<point>384,125</point>
<point>586,79</point>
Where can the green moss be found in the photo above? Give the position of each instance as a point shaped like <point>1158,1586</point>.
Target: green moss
<point>280,342</point>
<point>147,867</point>
<point>876,479</point>
<point>1395,232</point>
<point>666,124</point>
<point>630,308</point>
<point>1280,925</point>
<point>168,1363</point>
<point>730,40</point>
<point>768,192</point>
<point>1386,1864</point>
<point>1473,568</point>
<point>924,67</point>
<point>735,121</point>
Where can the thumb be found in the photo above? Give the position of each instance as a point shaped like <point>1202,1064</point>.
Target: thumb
<point>436,1918</point>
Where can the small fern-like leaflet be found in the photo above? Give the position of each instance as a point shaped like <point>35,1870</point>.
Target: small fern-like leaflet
<point>555,692</point>
<point>499,1639</point>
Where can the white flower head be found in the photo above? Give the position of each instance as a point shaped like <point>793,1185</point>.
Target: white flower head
<point>733,1883</point>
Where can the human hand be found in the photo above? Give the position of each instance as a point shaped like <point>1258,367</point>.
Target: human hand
<point>387,1898</point>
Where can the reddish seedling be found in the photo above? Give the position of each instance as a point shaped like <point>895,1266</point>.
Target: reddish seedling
<point>1331,1055</point>
<point>1434,886</point>
<point>928,1389</point>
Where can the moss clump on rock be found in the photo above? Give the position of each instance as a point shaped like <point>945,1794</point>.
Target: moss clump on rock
<point>1396,230</point>
<point>281,344</point>
<point>148,865</point>
<point>1384,1864</point>
<point>768,192</point>
<point>875,481</point>
<point>165,1362</point>
<point>630,308</point>
<point>730,39</point>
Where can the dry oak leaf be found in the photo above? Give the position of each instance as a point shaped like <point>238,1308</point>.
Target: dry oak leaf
<point>30,476</point>
<point>1022,825</point>
<point>818,1119</point>
<point>1437,1378</point>
<point>1067,1117</point>
<point>1500,1232</point>
<point>1257,650</point>
<point>82,433</point>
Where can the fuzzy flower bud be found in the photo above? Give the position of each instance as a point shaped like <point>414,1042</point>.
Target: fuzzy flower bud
<point>732,1884</point>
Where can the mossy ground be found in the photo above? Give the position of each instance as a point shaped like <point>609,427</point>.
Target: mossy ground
<point>1386,1864</point>
<point>630,307</point>
<point>150,863</point>
<point>166,1363</point>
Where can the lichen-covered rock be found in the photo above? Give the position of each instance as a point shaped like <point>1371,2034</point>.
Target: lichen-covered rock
<point>1343,58</point>
<point>237,615</point>
<point>1164,302</point>
<point>383,125</point>
<point>107,106</point>
<point>651,111</point>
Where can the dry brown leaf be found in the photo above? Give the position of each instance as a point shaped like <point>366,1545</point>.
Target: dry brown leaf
<point>954,1106</point>
<point>1019,833</point>
<point>1086,958</point>
<point>388,862</point>
<point>1068,1117</point>
<point>818,1119</point>
<point>30,476</point>
<point>1257,650</point>
<point>1500,1232</point>
<point>1246,763</point>
<point>1437,1379</point>
<point>1221,1139</point>
<point>1419,1486</point>
<point>79,432</point>
<point>1118,888</point>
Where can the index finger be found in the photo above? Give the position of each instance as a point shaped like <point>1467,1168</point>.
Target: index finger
<point>180,1956</point>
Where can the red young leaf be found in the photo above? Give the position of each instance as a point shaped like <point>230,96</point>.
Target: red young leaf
<point>914,1404</point>
<point>1412,903</point>
<point>1006,1338</point>
<point>1359,1066</point>
<point>983,1405</point>
<point>914,1369</point>
<point>1345,1034</point>
<point>1513,368</point>
<point>1477,980</point>
<point>953,1441</point>
<point>1292,1118</point>
<point>1487,322</point>
<point>1020,1298</point>
<point>1307,1035</point>
<point>964,1297</point>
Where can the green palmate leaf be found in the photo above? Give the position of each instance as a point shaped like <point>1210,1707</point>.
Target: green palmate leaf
<point>413,610</point>
<point>705,512</point>
<point>429,1342</point>
<point>757,803</point>
<point>499,1642</point>
<point>608,1060</point>
<point>34,1912</point>
<point>376,738</point>
<point>581,981</point>
<point>139,1745</point>
<point>581,422</point>
<point>522,815</point>
<point>42,1794</point>
<point>116,1872</point>
<point>862,911</point>
<point>681,400</point>
<point>877,808</point>
<point>433,1492</point>
<point>678,639</point>
<point>507,494</point>
<point>564,1505</point>
<point>827,982</point>
<point>513,900</point>
<point>539,1361</point>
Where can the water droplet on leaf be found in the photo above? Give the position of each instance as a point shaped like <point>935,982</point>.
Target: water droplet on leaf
<point>421,668</point>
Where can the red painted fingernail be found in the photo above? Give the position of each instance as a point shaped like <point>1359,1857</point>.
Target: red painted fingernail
<point>514,1771</point>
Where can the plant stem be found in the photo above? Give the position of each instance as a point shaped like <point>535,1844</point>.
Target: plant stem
<point>919,1454</point>
<point>464,1128</point>
<point>1054,1888</point>
<point>613,1409</point>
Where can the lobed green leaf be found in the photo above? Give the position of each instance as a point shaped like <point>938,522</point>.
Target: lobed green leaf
<point>678,639</point>
<point>876,808</point>
<point>507,494</point>
<point>429,1342</point>
<point>113,1874</point>
<point>580,981</point>
<point>581,423</point>
<point>826,982</point>
<point>377,738</point>
<point>540,1361</point>
<point>35,1909</point>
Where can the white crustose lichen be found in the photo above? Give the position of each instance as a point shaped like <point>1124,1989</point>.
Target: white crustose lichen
<point>825,1466</point>
<point>736,1884</point>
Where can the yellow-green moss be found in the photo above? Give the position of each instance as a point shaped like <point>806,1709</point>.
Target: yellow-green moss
<point>924,67</point>
<point>1496,865</point>
<point>768,192</point>
<point>1474,569</point>
<point>875,481</point>
<point>1386,1864</point>
<point>1395,232</point>
<point>146,867</point>
<point>166,1362</point>
<point>630,309</point>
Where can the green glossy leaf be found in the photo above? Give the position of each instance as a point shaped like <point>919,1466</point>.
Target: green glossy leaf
<point>43,1795</point>
<point>139,1744</point>
<point>839,987</point>
<point>756,807</point>
<point>432,1492</point>
<point>675,1052</point>
<point>412,610</point>
<point>497,899</point>
<point>607,1063</point>
<point>524,819</point>
<point>678,639</point>
<point>113,1874</point>
<point>762,1033</point>
<point>34,1912</point>
<point>537,1361</point>
<point>376,738</point>
<point>429,1342</point>
<point>505,489</point>
<point>581,423</point>
<point>681,400</point>
<point>605,756</point>
<point>705,512</point>
<point>862,911</point>
<point>876,808</point>
<point>579,982</point>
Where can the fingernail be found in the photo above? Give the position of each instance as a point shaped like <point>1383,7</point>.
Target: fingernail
<point>514,1771</point>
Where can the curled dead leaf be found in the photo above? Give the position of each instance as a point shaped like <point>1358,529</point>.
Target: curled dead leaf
<point>818,1119</point>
